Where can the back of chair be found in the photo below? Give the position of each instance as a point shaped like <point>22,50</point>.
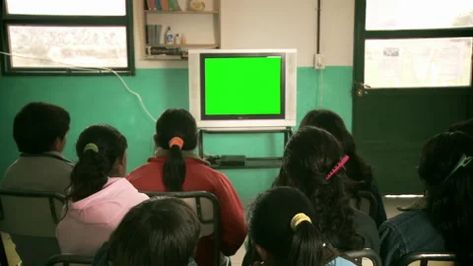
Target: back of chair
<point>365,257</point>
<point>207,208</point>
<point>428,259</point>
<point>30,213</point>
<point>69,260</point>
<point>365,202</point>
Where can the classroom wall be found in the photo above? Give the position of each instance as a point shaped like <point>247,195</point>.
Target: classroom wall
<point>244,24</point>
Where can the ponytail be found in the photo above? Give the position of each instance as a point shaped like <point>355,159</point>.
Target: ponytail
<point>99,148</point>
<point>174,170</point>
<point>89,174</point>
<point>306,246</point>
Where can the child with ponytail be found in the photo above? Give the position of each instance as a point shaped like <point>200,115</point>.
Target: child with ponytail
<point>96,200</point>
<point>176,168</point>
<point>283,230</point>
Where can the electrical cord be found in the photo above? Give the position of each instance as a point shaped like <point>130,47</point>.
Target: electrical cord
<point>125,85</point>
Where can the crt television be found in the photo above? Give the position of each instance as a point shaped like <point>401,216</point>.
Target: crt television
<point>243,89</point>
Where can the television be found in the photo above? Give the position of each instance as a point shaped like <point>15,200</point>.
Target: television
<point>243,89</point>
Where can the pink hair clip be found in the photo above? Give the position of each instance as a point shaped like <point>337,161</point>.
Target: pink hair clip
<point>337,167</point>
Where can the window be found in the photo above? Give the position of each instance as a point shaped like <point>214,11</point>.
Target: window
<point>416,44</point>
<point>68,36</point>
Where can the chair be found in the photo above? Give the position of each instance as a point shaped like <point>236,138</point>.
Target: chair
<point>69,260</point>
<point>30,217</point>
<point>365,257</point>
<point>364,201</point>
<point>428,259</point>
<point>207,208</point>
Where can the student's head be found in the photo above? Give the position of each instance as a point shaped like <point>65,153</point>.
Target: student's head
<point>156,232</point>
<point>283,230</point>
<point>101,151</point>
<point>446,168</point>
<point>176,131</point>
<point>40,127</point>
<point>308,158</point>
<point>356,168</point>
<point>310,164</point>
<point>463,126</point>
<point>331,122</point>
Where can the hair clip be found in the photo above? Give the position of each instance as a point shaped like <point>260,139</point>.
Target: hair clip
<point>337,167</point>
<point>176,141</point>
<point>463,162</point>
<point>91,146</point>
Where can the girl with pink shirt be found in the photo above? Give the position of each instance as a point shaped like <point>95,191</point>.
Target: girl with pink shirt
<point>97,202</point>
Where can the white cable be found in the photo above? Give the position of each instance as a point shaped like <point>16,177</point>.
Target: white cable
<point>127,88</point>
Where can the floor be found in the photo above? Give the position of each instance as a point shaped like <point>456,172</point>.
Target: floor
<point>391,205</point>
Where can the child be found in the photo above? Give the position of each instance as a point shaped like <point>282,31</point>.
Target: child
<point>445,224</point>
<point>96,201</point>
<point>161,231</point>
<point>39,130</point>
<point>283,230</point>
<point>314,162</point>
<point>176,168</point>
<point>356,169</point>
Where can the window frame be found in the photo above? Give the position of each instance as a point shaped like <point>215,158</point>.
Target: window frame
<point>361,34</point>
<point>65,21</point>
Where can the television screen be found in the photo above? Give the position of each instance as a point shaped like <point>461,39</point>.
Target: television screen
<point>243,89</point>
<point>243,86</point>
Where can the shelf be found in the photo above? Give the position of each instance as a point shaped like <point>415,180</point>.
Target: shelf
<point>196,29</point>
<point>205,12</point>
<point>193,46</point>
<point>164,57</point>
<point>252,163</point>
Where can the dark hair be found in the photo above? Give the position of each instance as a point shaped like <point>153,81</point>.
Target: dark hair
<point>175,123</point>
<point>156,232</point>
<point>449,191</point>
<point>356,168</point>
<point>270,228</point>
<point>93,168</point>
<point>309,156</point>
<point>463,126</point>
<point>38,125</point>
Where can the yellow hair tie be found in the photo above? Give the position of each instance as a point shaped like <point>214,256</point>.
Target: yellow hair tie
<point>299,218</point>
<point>92,147</point>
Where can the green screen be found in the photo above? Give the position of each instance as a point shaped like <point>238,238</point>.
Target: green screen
<point>242,86</point>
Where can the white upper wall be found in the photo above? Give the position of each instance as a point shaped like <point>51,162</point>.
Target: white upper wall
<point>275,24</point>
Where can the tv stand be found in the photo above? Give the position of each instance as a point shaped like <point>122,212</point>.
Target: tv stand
<point>241,161</point>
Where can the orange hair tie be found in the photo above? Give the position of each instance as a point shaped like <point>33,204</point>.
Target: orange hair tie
<point>176,141</point>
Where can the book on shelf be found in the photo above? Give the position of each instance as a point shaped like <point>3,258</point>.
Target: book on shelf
<point>158,5</point>
<point>174,5</point>
<point>153,34</point>
<point>163,50</point>
<point>164,5</point>
<point>150,4</point>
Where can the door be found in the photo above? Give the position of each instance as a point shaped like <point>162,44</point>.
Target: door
<point>412,79</point>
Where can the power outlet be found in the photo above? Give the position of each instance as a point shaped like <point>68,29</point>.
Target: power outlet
<point>319,62</point>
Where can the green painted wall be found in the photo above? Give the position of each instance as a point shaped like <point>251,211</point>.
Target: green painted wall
<point>105,100</point>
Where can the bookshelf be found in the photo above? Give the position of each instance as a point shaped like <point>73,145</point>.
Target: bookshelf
<point>196,28</point>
